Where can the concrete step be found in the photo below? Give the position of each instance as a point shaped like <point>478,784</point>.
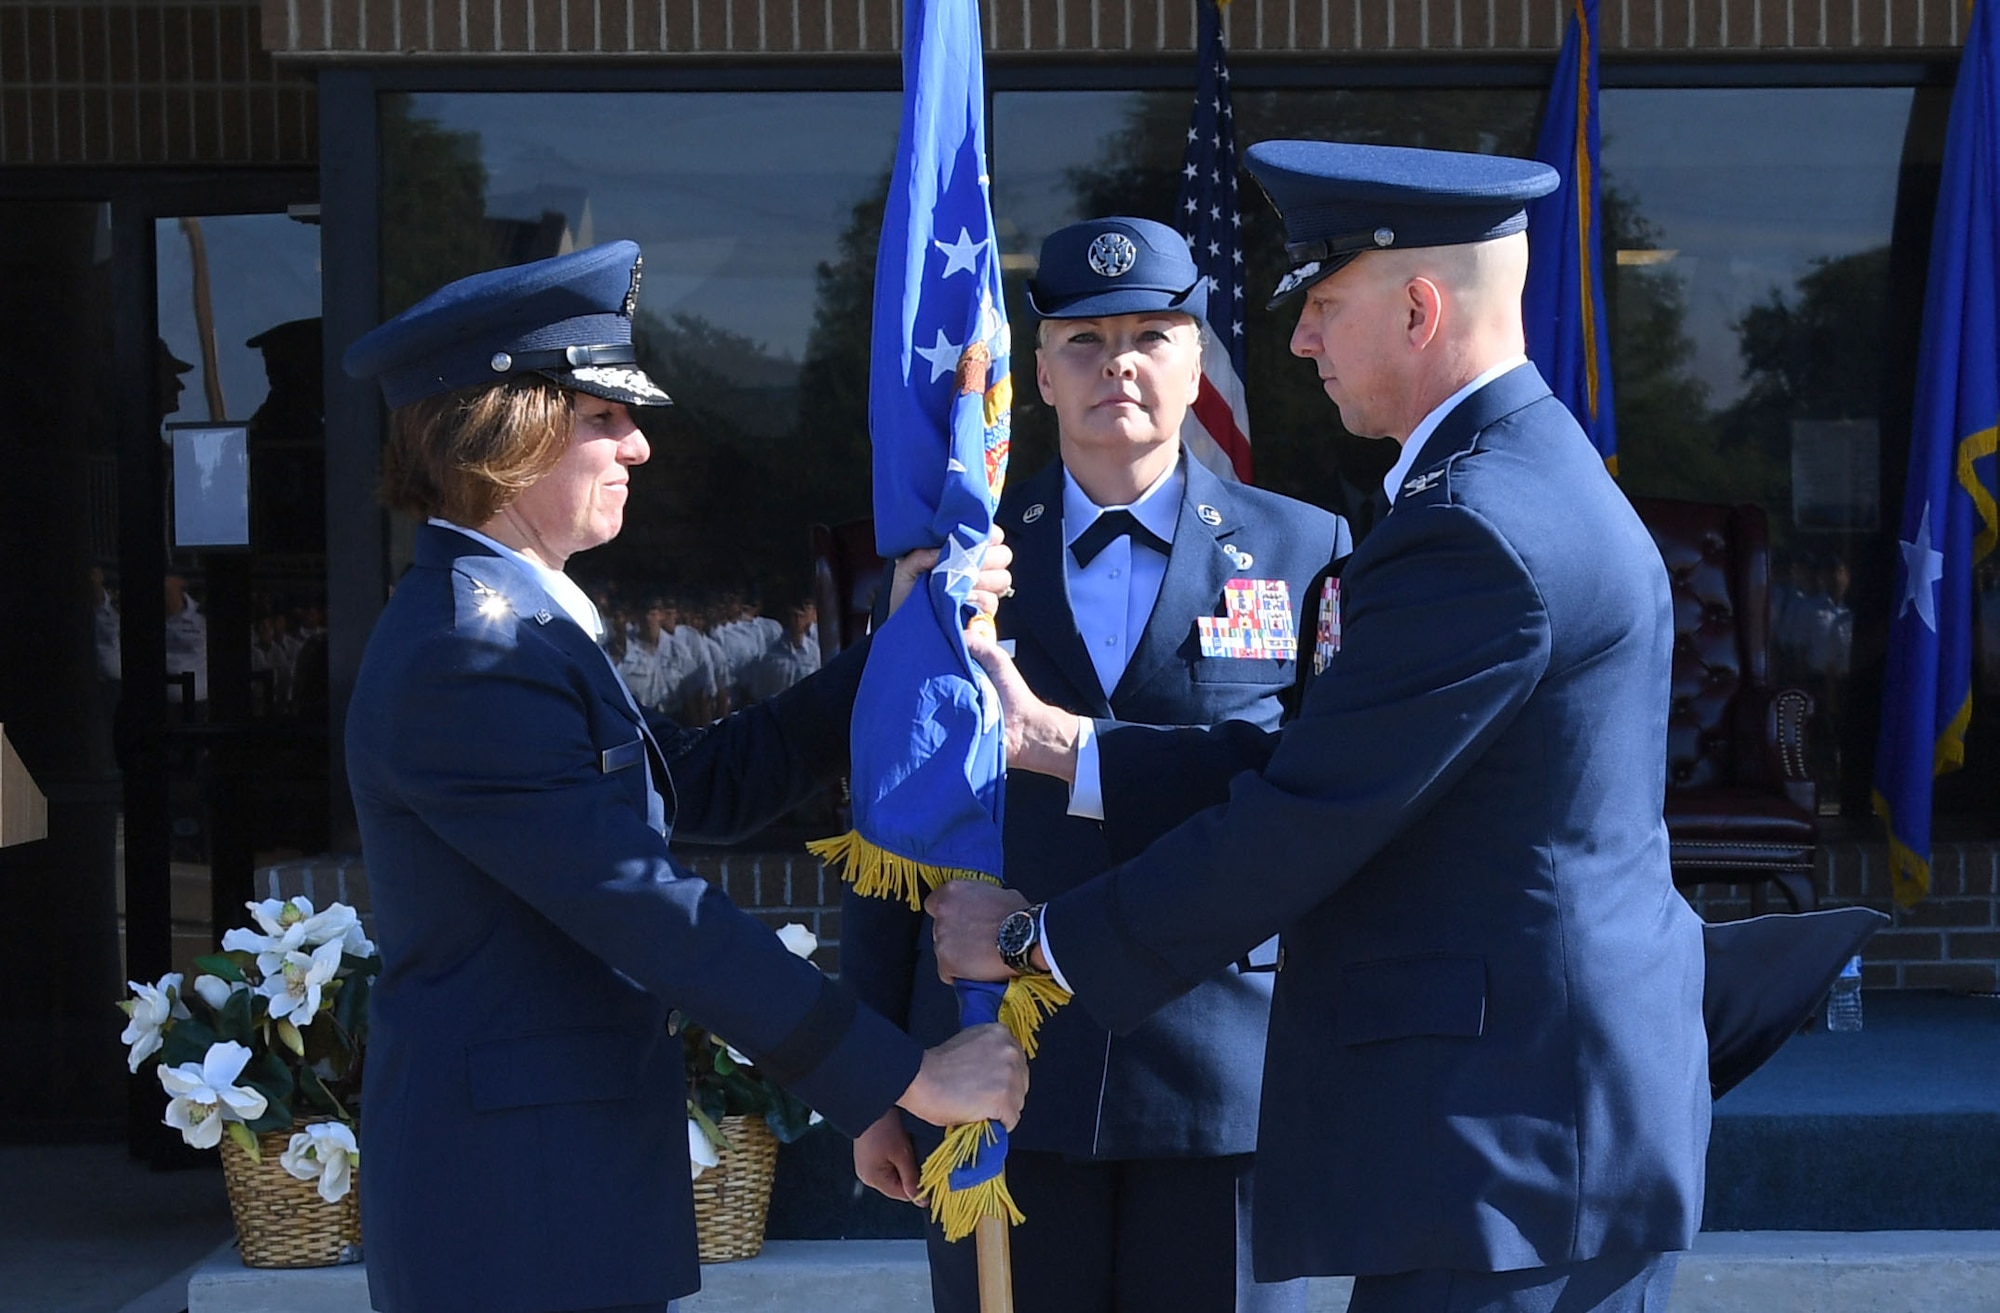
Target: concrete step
<point>1727,1272</point>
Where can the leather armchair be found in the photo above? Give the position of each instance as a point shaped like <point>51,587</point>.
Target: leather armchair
<point>1740,807</point>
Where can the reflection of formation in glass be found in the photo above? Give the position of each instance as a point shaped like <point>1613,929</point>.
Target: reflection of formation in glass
<point>697,659</point>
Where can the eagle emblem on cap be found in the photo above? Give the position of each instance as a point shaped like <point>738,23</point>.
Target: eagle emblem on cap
<point>632,292</point>
<point>1295,278</point>
<point>1112,255</point>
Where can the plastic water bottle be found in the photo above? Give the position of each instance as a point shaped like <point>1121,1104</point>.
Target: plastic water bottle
<point>1843,1001</point>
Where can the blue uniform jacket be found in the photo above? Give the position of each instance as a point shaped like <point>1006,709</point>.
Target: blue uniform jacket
<point>1185,1082</point>
<point>524,1111</point>
<point>1486,1047</point>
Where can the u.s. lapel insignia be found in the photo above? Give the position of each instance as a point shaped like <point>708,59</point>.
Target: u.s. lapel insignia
<point>1032,514</point>
<point>1423,482</point>
<point>1209,515</point>
<point>543,617</point>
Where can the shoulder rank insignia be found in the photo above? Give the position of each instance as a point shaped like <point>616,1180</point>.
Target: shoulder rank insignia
<point>491,602</point>
<point>1424,482</point>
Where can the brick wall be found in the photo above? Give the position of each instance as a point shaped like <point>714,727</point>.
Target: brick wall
<point>807,27</point>
<point>1951,940</point>
<point>147,84</point>
<point>84,82</point>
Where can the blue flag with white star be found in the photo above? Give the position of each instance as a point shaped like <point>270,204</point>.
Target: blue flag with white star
<point>927,756</point>
<point>1563,306</point>
<point>1949,520</point>
<point>928,760</point>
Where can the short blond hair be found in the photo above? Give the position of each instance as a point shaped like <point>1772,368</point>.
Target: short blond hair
<point>465,456</point>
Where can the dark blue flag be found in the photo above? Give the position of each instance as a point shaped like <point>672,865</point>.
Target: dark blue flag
<point>1568,338</point>
<point>1949,520</point>
<point>1217,429</point>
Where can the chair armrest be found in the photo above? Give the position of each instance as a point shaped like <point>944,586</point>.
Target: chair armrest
<point>1786,713</point>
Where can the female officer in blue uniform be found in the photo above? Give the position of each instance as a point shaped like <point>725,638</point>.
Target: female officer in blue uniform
<point>524,1119</point>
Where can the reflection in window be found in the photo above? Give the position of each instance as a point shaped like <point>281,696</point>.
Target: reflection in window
<point>1767,250</point>
<point>758,216</point>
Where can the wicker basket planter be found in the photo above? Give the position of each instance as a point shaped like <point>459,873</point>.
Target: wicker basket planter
<point>280,1220</point>
<point>732,1198</point>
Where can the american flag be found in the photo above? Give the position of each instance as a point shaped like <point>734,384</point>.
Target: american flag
<point>1217,430</point>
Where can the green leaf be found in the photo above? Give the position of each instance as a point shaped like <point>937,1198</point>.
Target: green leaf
<point>186,1041</point>
<point>237,1020</point>
<point>709,1127</point>
<point>246,1140</point>
<point>289,1035</point>
<point>222,964</point>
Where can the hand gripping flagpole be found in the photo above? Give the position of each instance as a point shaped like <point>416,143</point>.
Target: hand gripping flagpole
<point>928,760</point>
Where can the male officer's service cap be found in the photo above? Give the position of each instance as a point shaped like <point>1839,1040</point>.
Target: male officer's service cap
<point>1115,267</point>
<point>1339,200</point>
<point>567,319</point>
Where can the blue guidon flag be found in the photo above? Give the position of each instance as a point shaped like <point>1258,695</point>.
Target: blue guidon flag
<point>1568,337</point>
<point>1950,522</point>
<point>928,760</point>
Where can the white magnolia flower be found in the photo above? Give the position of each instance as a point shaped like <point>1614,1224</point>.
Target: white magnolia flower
<point>701,1154</point>
<point>215,991</point>
<point>205,1094</point>
<point>326,1150</point>
<point>149,1010</point>
<point>796,937</point>
<point>293,982</point>
<point>283,922</point>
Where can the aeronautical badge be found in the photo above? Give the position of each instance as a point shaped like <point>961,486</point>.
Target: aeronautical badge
<point>1326,642</point>
<point>1112,255</point>
<point>632,292</point>
<point>1255,624</point>
<point>1032,514</point>
<point>1424,482</point>
<point>1209,515</point>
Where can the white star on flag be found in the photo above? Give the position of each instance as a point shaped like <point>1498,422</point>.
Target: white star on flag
<point>943,355</point>
<point>960,255</point>
<point>1923,566</point>
<point>958,563</point>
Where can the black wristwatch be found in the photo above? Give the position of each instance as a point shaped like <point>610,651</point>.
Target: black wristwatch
<point>1019,933</point>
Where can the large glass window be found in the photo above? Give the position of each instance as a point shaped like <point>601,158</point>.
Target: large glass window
<point>1767,249</point>
<point>1764,263</point>
<point>758,216</point>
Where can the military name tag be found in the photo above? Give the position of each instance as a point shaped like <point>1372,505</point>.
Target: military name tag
<point>618,758</point>
<point>1256,622</point>
<point>1327,641</point>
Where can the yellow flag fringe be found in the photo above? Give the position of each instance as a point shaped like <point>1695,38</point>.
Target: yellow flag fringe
<point>1028,1001</point>
<point>958,1212</point>
<point>876,872</point>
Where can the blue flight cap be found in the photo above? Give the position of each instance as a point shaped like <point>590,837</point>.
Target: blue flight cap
<point>1338,200</point>
<point>1115,266</point>
<point>568,319</point>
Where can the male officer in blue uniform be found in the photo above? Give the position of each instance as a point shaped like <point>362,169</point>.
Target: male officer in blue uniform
<point>1132,1159</point>
<point>525,1108</point>
<point>1487,1075</point>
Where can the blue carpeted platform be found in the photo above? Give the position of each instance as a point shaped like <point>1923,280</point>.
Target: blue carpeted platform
<point>1896,1128</point>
